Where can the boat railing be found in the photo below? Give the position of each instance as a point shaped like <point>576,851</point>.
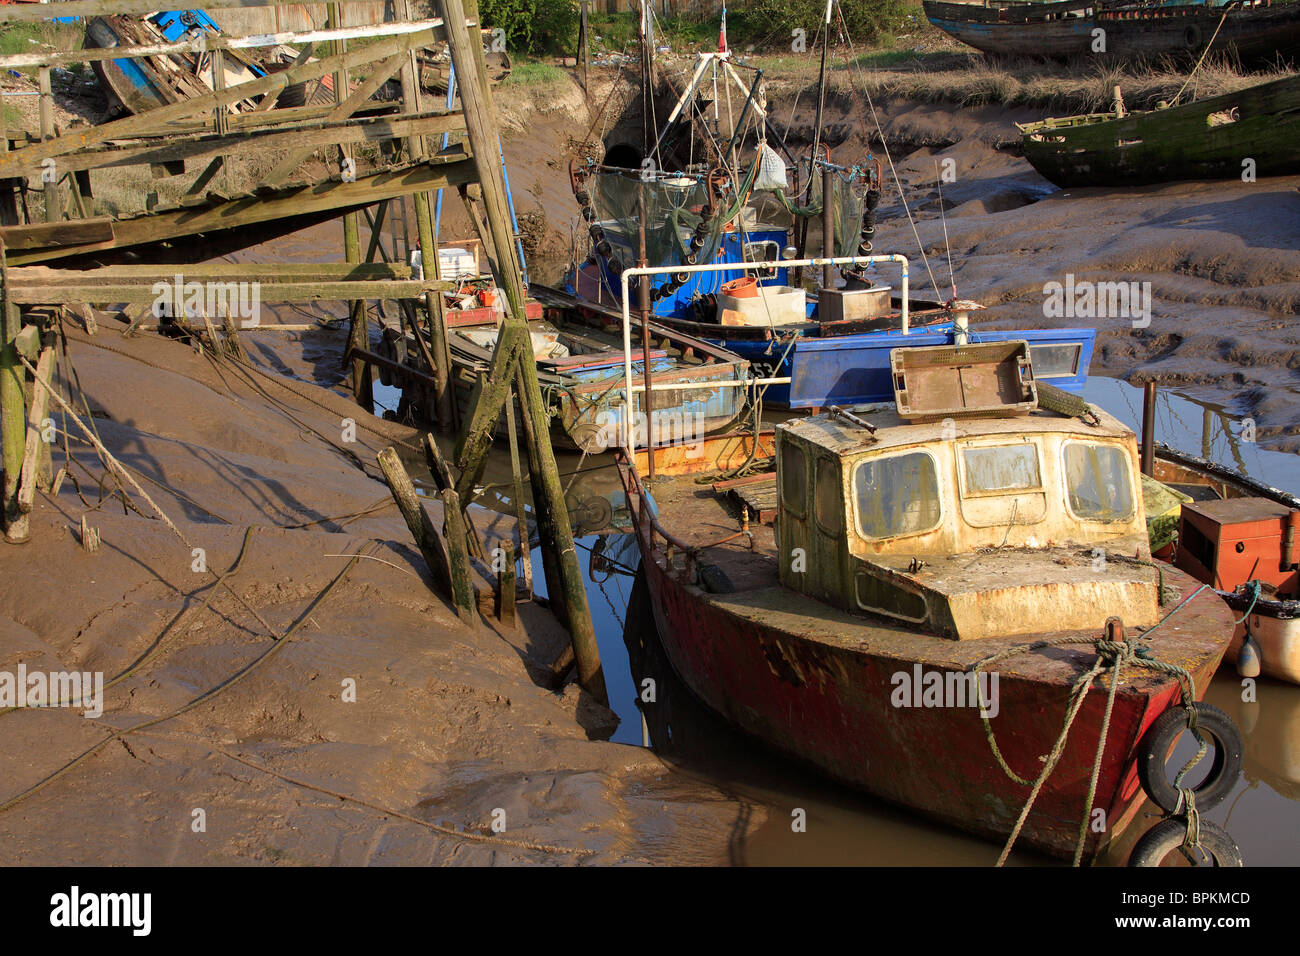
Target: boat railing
<point>630,388</point>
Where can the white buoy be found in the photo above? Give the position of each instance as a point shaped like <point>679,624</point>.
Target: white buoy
<point>1248,661</point>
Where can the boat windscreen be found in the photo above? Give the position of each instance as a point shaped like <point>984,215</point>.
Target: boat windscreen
<point>898,495</point>
<point>1098,481</point>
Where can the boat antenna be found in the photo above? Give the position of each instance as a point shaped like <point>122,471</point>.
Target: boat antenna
<point>817,126</point>
<point>943,213</point>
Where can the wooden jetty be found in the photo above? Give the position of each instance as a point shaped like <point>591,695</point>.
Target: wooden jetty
<point>62,265</point>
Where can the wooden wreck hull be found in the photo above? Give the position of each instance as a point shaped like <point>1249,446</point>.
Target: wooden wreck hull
<point>1262,123</point>
<point>1051,30</point>
<point>816,685</point>
<point>1252,32</point>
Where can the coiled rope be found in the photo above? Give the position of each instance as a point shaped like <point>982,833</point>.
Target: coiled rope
<point>1113,655</point>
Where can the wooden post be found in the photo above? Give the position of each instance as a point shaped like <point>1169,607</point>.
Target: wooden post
<point>565,581</point>
<point>584,46</point>
<point>49,176</point>
<point>505,597</point>
<point>36,469</point>
<point>13,422</point>
<point>427,539</point>
<point>358,320</point>
<point>462,578</point>
<point>417,147</point>
<point>517,491</point>
<point>1149,429</point>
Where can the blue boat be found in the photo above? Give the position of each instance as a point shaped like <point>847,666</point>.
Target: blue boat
<point>141,84</point>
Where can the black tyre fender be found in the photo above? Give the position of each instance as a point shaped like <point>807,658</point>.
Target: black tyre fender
<point>1167,835</point>
<point>1225,769</point>
<point>1192,36</point>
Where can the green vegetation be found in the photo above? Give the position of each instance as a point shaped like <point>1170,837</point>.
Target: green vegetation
<point>531,73</point>
<point>766,25</point>
<point>771,24</point>
<point>534,26</point>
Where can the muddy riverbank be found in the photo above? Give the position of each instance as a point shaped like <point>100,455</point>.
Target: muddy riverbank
<point>383,731</point>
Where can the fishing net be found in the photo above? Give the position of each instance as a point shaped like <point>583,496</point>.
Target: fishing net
<point>681,223</point>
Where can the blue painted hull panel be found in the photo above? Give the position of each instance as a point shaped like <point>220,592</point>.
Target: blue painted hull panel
<point>854,369</point>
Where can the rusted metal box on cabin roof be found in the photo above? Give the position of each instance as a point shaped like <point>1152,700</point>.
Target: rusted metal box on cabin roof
<point>842,305</point>
<point>988,379</point>
<point>1235,540</point>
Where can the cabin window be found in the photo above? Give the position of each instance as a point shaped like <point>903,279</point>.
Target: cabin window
<point>830,507</point>
<point>793,482</point>
<point>1098,482</point>
<point>1055,361</point>
<point>997,469</point>
<point>897,495</point>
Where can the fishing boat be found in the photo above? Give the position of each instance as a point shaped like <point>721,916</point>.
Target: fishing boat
<point>580,368</point>
<point>1027,28</point>
<point>1209,139</point>
<point>143,83</point>
<point>840,587</point>
<point>663,204</point>
<point>1240,536</point>
<point>1247,30</point>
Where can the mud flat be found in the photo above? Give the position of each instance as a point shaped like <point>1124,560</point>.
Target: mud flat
<point>449,732</point>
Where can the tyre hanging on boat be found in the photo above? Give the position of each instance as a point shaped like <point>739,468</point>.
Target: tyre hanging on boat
<point>1225,769</point>
<point>1168,835</point>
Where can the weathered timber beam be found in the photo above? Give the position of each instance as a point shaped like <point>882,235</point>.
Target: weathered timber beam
<point>137,293</point>
<point>337,197</point>
<point>267,272</point>
<point>342,111</point>
<point>84,137</point>
<point>209,43</point>
<point>71,233</point>
<point>172,149</point>
<point>101,8</point>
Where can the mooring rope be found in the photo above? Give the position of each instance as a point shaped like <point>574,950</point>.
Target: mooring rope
<point>1113,655</point>
<point>280,642</point>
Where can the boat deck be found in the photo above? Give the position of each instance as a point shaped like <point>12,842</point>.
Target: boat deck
<point>697,516</point>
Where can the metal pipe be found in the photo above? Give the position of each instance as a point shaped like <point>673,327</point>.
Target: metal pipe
<point>1149,429</point>
<point>644,284</point>
<point>629,274</point>
<point>828,228</point>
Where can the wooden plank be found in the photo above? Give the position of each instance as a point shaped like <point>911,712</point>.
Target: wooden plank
<point>102,8</point>
<point>133,293</point>
<point>209,43</point>
<point>427,539</point>
<point>267,272</point>
<point>297,201</point>
<point>342,111</point>
<point>84,137</point>
<point>68,233</point>
<point>36,456</point>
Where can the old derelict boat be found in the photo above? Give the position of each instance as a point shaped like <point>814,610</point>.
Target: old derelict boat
<point>910,543</point>
<point>1056,28</point>
<point>580,367</point>
<point>1208,139</point>
<point>1249,30</point>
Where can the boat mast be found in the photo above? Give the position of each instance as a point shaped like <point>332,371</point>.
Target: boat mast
<point>817,130</point>
<point>647,81</point>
